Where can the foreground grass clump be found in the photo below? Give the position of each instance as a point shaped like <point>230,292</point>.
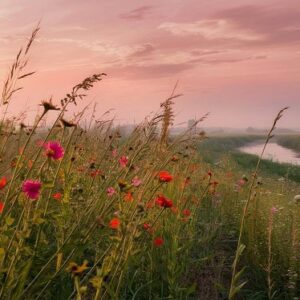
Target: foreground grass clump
<point>86,213</point>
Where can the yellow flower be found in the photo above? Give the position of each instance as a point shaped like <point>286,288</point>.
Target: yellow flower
<point>76,269</point>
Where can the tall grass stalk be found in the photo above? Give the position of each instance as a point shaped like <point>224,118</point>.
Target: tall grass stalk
<point>234,286</point>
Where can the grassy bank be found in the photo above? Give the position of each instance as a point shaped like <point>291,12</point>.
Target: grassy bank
<point>290,141</point>
<point>218,148</point>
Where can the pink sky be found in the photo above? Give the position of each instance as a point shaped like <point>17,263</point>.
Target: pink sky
<point>238,60</point>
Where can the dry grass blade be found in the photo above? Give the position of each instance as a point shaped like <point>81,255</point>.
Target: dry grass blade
<point>168,115</point>
<point>26,75</point>
<point>10,84</point>
<point>77,90</point>
<point>233,286</point>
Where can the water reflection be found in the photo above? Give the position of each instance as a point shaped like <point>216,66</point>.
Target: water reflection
<point>273,152</point>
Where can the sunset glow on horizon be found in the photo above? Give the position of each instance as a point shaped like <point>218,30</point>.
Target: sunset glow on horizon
<point>238,60</point>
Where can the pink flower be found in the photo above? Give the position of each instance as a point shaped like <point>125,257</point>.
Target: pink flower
<point>54,150</point>
<point>114,153</point>
<point>274,210</point>
<point>123,161</point>
<point>110,191</point>
<point>241,182</point>
<point>31,188</point>
<point>136,181</point>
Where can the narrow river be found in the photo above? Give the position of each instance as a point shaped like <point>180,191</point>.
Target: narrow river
<point>273,152</point>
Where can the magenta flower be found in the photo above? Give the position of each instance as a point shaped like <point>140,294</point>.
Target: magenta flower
<point>136,181</point>
<point>123,161</point>
<point>54,150</point>
<point>110,191</point>
<point>31,188</point>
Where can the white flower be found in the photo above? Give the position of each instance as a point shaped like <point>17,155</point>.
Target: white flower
<point>297,199</point>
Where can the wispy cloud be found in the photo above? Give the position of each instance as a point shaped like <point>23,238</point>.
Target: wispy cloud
<point>9,11</point>
<point>137,13</point>
<point>149,71</point>
<point>144,50</point>
<point>276,24</point>
<point>211,29</point>
<point>99,46</point>
<point>70,28</point>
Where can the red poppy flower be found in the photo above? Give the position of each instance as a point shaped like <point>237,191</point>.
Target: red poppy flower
<point>147,226</point>
<point>186,212</point>
<point>165,176</point>
<point>1,207</point>
<point>3,182</point>
<point>164,202</point>
<point>95,173</point>
<point>114,223</point>
<point>128,197</point>
<point>158,241</point>
<point>57,196</point>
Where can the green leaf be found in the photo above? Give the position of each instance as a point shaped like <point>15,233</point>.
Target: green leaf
<point>2,252</point>
<point>39,220</point>
<point>236,290</point>
<point>22,277</point>
<point>48,185</point>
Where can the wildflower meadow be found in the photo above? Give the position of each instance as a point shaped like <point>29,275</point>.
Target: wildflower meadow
<point>87,212</point>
